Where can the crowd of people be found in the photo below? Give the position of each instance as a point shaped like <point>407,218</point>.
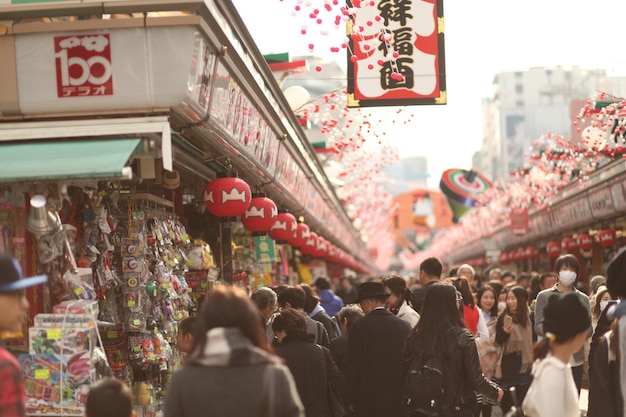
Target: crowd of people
<point>430,345</point>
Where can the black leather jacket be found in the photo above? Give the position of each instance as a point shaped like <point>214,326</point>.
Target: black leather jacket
<point>463,374</point>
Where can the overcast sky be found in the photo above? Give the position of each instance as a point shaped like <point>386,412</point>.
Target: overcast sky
<point>481,38</point>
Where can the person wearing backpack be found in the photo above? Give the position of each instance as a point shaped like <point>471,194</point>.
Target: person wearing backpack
<point>440,370</point>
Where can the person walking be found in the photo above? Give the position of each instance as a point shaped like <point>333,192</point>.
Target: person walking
<point>553,392</point>
<point>442,333</point>
<point>397,303</point>
<point>294,296</point>
<point>515,338</point>
<point>266,302</point>
<point>375,345</point>
<point>430,272</point>
<point>487,301</point>
<point>567,268</point>
<point>331,302</point>
<point>310,364</point>
<point>13,308</point>
<point>339,345</point>
<point>231,371</point>
<point>316,311</point>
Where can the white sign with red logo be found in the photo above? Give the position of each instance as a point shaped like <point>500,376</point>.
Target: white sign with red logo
<point>103,69</point>
<point>83,65</point>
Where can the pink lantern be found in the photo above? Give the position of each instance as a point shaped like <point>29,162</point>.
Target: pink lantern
<point>260,216</point>
<point>227,197</point>
<point>284,228</point>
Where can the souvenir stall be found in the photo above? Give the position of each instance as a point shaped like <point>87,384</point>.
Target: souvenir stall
<point>133,139</point>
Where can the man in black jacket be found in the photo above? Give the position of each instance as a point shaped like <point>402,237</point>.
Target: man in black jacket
<point>430,272</point>
<point>375,347</point>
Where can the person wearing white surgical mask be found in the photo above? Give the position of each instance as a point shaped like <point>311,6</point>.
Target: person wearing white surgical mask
<point>567,269</point>
<point>599,303</point>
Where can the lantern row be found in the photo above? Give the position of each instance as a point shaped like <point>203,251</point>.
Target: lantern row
<point>229,197</point>
<point>583,242</point>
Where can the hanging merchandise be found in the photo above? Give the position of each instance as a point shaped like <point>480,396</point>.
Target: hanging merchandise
<point>227,197</point>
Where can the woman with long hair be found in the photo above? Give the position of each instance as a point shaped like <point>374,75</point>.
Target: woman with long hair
<point>553,390</point>
<point>487,301</point>
<point>515,338</point>
<point>231,370</point>
<point>472,316</point>
<point>398,301</point>
<point>441,332</point>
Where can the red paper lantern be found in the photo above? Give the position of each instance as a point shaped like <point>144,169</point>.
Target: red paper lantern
<point>284,228</point>
<point>585,241</point>
<point>321,249</point>
<point>260,216</point>
<point>569,245</point>
<point>554,249</point>
<point>227,197</point>
<point>310,245</point>
<point>302,234</point>
<point>520,254</point>
<point>503,258</point>
<point>607,237</point>
<point>532,252</point>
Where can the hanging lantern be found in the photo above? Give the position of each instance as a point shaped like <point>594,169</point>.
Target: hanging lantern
<point>520,254</point>
<point>585,241</point>
<point>532,252</point>
<point>302,234</point>
<point>569,245</point>
<point>503,258</point>
<point>321,249</point>
<point>332,253</point>
<point>607,237</point>
<point>227,197</point>
<point>284,228</point>
<point>310,245</point>
<point>261,215</point>
<point>554,249</point>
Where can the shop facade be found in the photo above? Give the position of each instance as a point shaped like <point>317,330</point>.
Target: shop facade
<point>115,119</point>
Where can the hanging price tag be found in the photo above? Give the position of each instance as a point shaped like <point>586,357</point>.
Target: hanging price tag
<point>54,334</point>
<point>42,373</point>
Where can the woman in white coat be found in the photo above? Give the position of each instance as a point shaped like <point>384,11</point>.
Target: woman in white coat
<point>398,301</point>
<point>553,391</point>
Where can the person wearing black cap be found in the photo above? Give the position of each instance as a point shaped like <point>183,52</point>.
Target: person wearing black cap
<point>13,307</point>
<point>553,390</point>
<point>375,346</point>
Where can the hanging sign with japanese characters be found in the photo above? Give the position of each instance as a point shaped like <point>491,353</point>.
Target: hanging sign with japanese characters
<point>396,53</point>
<point>265,249</point>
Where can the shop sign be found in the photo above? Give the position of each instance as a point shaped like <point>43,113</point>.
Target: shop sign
<point>265,249</point>
<point>572,213</point>
<point>618,193</point>
<point>200,74</point>
<point>104,69</point>
<point>83,65</point>
<point>519,221</point>
<point>601,203</point>
<point>396,53</point>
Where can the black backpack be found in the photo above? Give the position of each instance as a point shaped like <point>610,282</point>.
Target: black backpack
<point>424,386</point>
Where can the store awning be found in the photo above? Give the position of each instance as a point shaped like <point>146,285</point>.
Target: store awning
<point>71,159</point>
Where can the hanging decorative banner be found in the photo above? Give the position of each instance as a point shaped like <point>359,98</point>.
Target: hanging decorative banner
<point>519,221</point>
<point>265,249</point>
<point>396,53</point>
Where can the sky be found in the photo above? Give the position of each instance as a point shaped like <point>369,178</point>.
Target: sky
<point>482,38</point>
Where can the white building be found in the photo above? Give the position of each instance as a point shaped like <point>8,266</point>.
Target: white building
<point>528,104</point>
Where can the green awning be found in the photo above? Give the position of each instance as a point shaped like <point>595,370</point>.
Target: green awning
<point>71,159</point>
